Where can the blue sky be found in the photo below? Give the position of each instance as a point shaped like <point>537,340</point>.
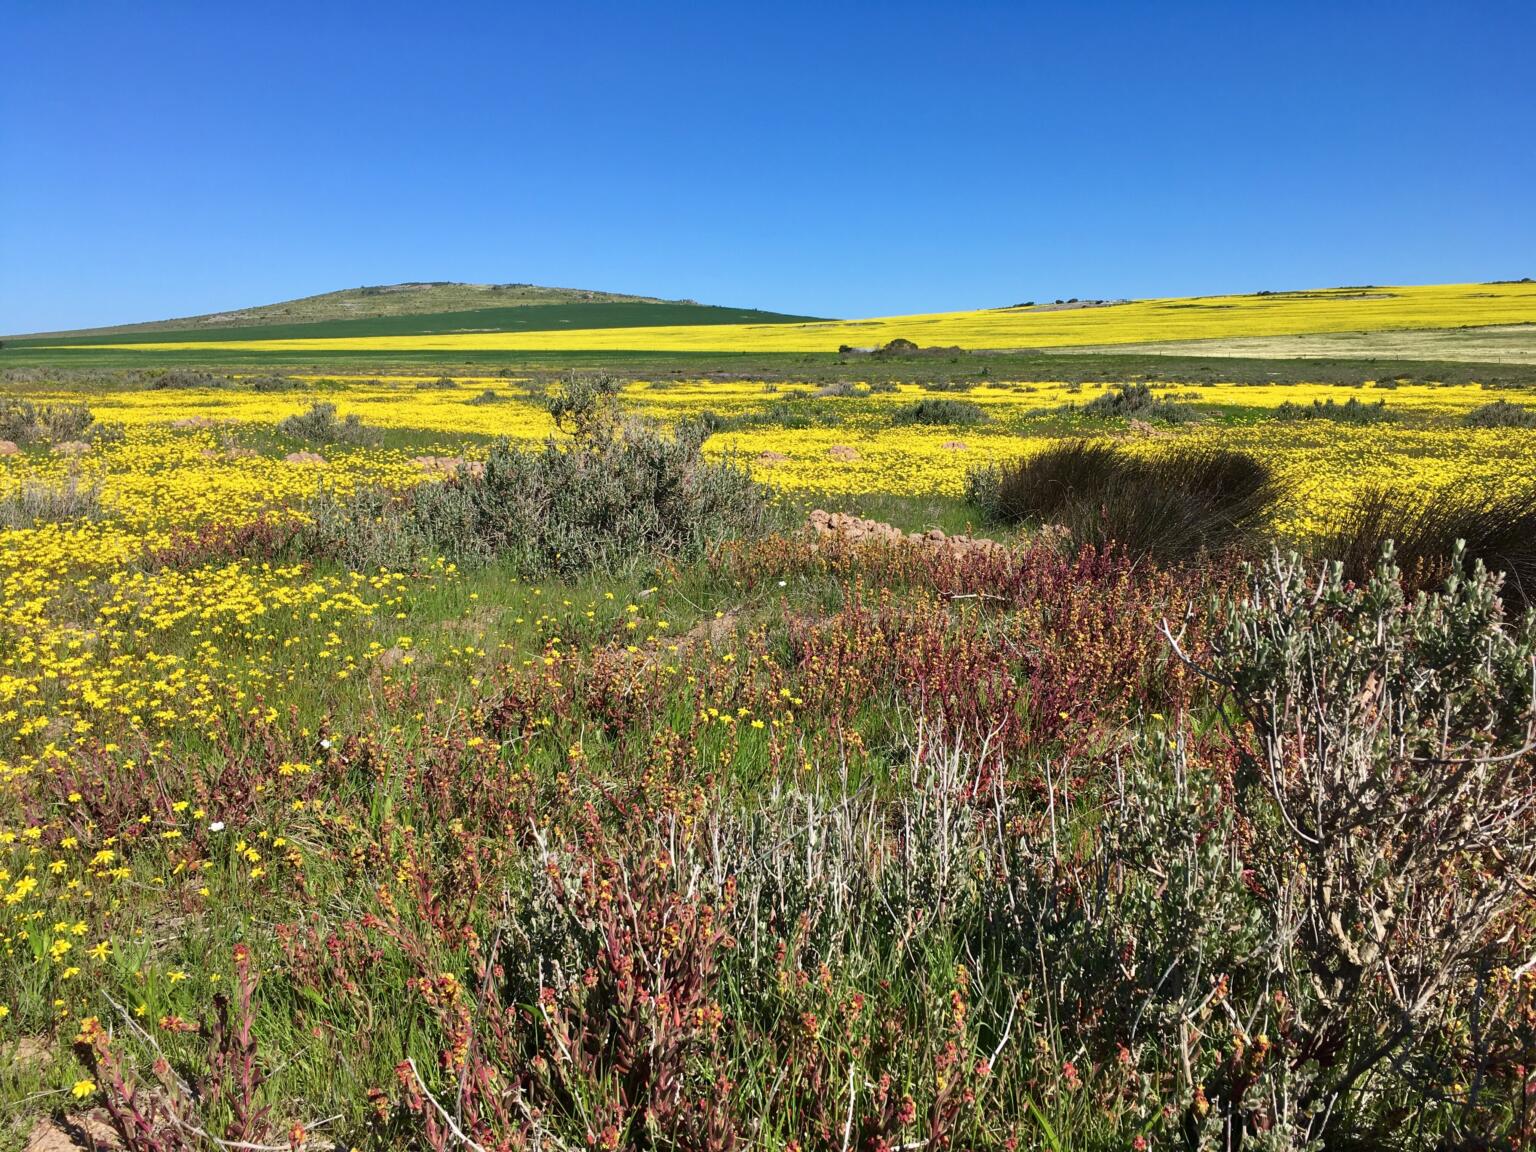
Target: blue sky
<point>844,159</point>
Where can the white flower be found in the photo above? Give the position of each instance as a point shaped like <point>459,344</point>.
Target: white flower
<point>782,583</point>
<point>216,826</point>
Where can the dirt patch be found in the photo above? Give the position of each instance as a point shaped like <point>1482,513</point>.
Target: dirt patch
<point>8,448</point>
<point>27,1050</point>
<point>771,457</point>
<point>304,458</point>
<point>954,445</point>
<point>78,1133</point>
<point>842,452</point>
<point>713,631</point>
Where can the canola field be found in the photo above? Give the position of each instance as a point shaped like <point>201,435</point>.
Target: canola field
<point>1322,311</point>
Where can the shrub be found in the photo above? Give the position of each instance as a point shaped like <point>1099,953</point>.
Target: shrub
<point>841,388</point>
<point>1386,799</point>
<point>1134,401</point>
<point>178,378</point>
<point>35,502</point>
<point>271,382</point>
<point>1499,532</point>
<point>582,403</point>
<point>442,383</point>
<point>319,425</point>
<point>1352,411</point>
<point>489,396</point>
<point>23,422</point>
<point>627,496</point>
<point>940,411</point>
<point>947,385</point>
<point>1173,506</point>
<point>1500,414</point>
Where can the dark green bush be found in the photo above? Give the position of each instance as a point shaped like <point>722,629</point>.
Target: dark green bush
<point>1134,402</point>
<point>1352,411</point>
<point>179,378</point>
<point>931,410</point>
<point>1173,506</point>
<point>489,396</point>
<point>1500,414</point>
<point>442,383</point>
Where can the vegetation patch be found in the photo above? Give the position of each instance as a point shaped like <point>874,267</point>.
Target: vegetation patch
<point>1174,505</point>
<point>319,425</point>
<point>1352,411</point>
<point>1134,402</point>
<point>938,410</point>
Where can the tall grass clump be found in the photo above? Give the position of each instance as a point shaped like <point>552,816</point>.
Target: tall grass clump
<point>1500,414</point>
<point>1352,411</point>
<point>1174,505</point>
<point>1134,402</point>
<point>940,410</point>
<point>320,425</point>
<point>1423,530</point>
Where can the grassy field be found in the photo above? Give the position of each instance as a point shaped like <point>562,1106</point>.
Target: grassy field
<point>405,782</point>
<point>1324,311</point>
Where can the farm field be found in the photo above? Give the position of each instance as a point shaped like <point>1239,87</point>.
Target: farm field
<point>1321,311</point>
<point>510,760</point>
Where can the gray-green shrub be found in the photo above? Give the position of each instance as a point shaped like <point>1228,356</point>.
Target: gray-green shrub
<point>319,425</point>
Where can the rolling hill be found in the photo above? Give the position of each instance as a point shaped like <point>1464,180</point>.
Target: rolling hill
<point>416,309</point>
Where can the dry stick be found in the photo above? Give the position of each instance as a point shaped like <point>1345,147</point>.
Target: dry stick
<point>441,1111</point>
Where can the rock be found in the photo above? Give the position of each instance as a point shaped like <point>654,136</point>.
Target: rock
<point>8,448</point>
<point>855,530</point>
<point>304,458</point>
<point>954,445</point>
<point>449,465</point>
<point>842,452</point>
<point>771,457</point>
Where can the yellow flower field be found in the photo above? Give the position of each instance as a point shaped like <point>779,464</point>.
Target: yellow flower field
<point>1330,310</point>
<point>83,612</point>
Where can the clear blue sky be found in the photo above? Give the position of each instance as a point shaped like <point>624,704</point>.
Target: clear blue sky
<point>843,159</point>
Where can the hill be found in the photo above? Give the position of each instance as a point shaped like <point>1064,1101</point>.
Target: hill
<point>420,308</point>
<point>1508,308</point>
